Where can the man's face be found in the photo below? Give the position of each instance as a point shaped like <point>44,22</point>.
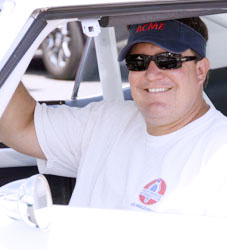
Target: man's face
<point>168,99</point>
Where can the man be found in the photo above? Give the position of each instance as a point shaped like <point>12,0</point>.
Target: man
<point>160,153</point>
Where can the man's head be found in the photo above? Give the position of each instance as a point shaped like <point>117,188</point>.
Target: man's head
<point>168,67</point>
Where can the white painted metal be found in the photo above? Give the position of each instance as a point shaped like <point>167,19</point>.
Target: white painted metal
<point>219,19</point>
<point>217,28</point>
<point>13,80</point>
<point>89,228</point>
<point>11,158</point>
<point>109,69</point>
<point>90,27</point>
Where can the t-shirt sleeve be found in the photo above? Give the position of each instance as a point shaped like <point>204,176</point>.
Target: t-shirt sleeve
<point>60,132</point>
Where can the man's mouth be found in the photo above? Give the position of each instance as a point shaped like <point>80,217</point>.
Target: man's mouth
<point>157,90</point>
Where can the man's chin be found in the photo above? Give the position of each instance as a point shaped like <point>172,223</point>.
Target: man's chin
<point>156,112</point>
<point>158,119</point>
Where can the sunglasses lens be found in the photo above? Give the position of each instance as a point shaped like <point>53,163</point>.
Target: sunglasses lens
<point>166,62</point>
<point>135,63</point>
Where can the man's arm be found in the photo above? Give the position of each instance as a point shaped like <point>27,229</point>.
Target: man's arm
<point>17,128</point>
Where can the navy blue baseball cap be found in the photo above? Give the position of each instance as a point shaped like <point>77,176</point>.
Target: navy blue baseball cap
<point>172,36</point>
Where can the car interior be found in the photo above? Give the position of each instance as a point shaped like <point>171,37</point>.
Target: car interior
<point>62,187</point>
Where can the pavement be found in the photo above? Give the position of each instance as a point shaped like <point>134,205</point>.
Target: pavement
<point>43,88</point>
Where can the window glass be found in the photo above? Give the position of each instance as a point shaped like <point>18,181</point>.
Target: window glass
<point>51,73</point>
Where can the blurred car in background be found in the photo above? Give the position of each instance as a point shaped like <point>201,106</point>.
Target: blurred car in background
<point>62,49</point>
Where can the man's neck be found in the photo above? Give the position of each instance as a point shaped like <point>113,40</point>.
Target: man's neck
<point>174,126</point>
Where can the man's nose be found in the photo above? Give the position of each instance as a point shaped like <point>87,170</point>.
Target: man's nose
<point>153,72</point>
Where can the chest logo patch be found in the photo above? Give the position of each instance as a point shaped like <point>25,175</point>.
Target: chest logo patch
<point>152,192</point>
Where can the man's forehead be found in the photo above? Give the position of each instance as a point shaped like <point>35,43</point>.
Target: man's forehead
<point>147,46</point>
<point>151,49</point>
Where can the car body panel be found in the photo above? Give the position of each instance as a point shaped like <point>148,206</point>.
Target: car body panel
<point>86,229</point>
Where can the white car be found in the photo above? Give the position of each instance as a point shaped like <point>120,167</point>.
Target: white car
<point>29,23</point>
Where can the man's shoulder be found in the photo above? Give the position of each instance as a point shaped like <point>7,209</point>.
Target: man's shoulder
<point>217,126</point>
<point>118,104</point>
<point>111,107</point>
<point>219,119</point>
<point>94,109</point>
<point>107,111</point>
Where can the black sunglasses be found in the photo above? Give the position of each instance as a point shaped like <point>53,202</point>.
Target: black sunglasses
<point>166,60</point>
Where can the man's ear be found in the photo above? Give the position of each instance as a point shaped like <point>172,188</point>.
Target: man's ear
<point>202,68</point>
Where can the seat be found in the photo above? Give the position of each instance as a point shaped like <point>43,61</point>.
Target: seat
<point>216,89</point>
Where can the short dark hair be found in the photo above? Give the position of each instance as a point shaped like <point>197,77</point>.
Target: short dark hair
<point>198,25</point>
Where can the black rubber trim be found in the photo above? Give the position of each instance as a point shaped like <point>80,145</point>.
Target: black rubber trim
<point>133,10</point>
<point>157,16</point>
<point>209,7</point>
<point>61,187</point>
<point>2,145</point>
<point>60,102</point>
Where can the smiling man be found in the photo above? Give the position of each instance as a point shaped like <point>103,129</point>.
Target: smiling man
<point>163,152</point>
<point>167,70</point>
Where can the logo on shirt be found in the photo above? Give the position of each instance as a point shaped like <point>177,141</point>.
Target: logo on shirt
<point>152,192</point>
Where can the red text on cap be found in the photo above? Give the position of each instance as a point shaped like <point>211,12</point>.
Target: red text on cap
<point>150,26</point>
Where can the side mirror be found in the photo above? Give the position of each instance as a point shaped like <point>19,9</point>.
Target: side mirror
<point>28,200</point>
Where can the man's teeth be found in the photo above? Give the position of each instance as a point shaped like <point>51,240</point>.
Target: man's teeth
<point>157,90</point>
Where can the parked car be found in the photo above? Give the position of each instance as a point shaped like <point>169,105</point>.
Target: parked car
<point>61,50</point>
<point>28,28</point>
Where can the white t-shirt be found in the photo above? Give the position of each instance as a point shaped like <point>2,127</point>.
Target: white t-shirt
<point>119,165</point>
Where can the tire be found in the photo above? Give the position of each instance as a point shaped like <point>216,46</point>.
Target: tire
<point>62,50</point>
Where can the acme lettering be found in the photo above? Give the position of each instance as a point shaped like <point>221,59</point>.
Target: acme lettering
<point>150,26</point>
